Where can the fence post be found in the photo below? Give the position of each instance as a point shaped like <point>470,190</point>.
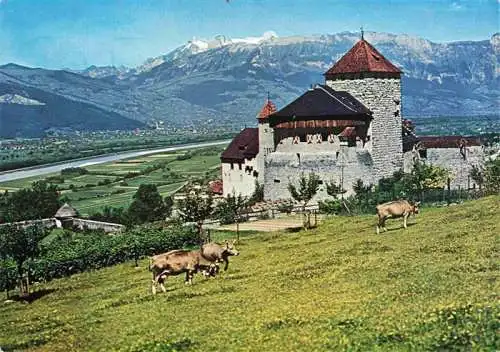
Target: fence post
<point>448,182</point>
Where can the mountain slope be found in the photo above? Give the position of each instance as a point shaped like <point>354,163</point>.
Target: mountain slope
<point>228,79</point>
<point>24,118</point>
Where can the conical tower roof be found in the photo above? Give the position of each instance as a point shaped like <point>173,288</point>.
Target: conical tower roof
<point>268,109</point>
<point>66,211</point>
<point>362,57</point>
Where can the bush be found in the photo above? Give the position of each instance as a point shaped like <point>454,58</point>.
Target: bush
<point>286,208</point>
<point>69,253</point>
<point>55,179</point>
<point>333,206</point>
<point>74,171</point>
<point>104,182</point>
<point>184,156</point>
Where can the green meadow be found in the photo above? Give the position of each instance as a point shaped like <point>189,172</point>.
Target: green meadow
<point>114,184</point>
<point>339,287</point>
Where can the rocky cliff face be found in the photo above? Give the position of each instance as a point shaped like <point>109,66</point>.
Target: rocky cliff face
<point>228,79</point>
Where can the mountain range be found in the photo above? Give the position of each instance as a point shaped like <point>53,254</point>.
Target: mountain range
<point>227,80</point>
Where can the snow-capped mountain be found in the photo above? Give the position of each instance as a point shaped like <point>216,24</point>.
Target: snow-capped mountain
<point>228,79</point>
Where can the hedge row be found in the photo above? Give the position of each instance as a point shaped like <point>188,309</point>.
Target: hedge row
<point>71,253</point>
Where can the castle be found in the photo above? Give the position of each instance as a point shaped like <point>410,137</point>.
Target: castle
<point>347,129</point>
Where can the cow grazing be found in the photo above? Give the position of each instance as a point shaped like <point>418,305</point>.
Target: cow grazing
<point>395,209</point>
<point>177,262</point>
<point>216,253</point>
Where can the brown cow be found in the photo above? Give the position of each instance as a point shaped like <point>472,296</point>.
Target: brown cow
<point>395,209</point>
<point>215,253</point>
<point>177,262</point>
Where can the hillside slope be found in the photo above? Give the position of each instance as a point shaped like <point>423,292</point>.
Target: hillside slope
<point>337,287</point>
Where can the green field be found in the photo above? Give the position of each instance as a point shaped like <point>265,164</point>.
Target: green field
<point>339,287</point>
<point>92,195</point>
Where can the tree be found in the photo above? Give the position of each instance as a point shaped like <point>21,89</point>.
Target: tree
<point>21,244</point>
<point>492,176</point>
<point>196,208</point>
<point>477,174</point>
<point>333,206</point>
<point>258,194</point>
<point>112,214</point>
<point>147,205</point>
<point>38,202</point>
<point>307,189</point>
<point>425,176</point>
<point>488,176</point>
<point>229,210</point>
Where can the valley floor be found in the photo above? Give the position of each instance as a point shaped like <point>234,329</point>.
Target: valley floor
<point>337,287</point>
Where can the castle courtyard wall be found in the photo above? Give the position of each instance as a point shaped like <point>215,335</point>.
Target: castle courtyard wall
<point>283,168</point>
<point>453,160</point>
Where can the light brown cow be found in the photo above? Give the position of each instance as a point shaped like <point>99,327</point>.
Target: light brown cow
<point>177,262</point>
<point>215,253</point>
<point>395,209</point>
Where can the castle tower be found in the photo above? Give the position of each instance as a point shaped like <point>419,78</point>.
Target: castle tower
<point>266,136</point>
<point>374,81</point>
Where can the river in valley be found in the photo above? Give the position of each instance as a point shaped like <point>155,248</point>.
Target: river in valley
<point>57,167</point>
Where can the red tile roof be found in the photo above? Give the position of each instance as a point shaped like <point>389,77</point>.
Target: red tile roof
<point>216,186</point>
<point>348,132</point>
<point>362,57</point>
<point>448,141</point>
<point>244,146</point>
<point>268,109</point>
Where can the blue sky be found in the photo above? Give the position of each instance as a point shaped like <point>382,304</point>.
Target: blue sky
<point>79,33</point>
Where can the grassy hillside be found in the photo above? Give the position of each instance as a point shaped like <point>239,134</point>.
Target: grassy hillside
<point>338,287</point>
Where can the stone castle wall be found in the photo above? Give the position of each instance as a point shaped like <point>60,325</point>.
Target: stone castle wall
<point>287,145</point>
<point>238,178</point>
<point>451,159</point>
<point>284,168</point>
<point>383,97</point>
<point>266,146</point>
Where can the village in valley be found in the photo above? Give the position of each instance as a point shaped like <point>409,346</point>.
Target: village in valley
<point>329,223</point>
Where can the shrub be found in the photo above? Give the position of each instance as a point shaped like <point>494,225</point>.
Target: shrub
<point>184,156</point>
<point>286,208</point>
<point>74,171</point>
<point>333,206</point>
<point>69,254</point>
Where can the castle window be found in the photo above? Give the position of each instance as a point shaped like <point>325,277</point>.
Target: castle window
<point>396,113</point>
<point>320,182</point>
<point>302,137</point>
<point>255,174</point>
<point>298,157</point>
<point>239,166</point>
<point>276,181</point>
<point>232,166</point>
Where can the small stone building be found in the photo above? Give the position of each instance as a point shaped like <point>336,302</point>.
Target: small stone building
<point>348,128</point>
